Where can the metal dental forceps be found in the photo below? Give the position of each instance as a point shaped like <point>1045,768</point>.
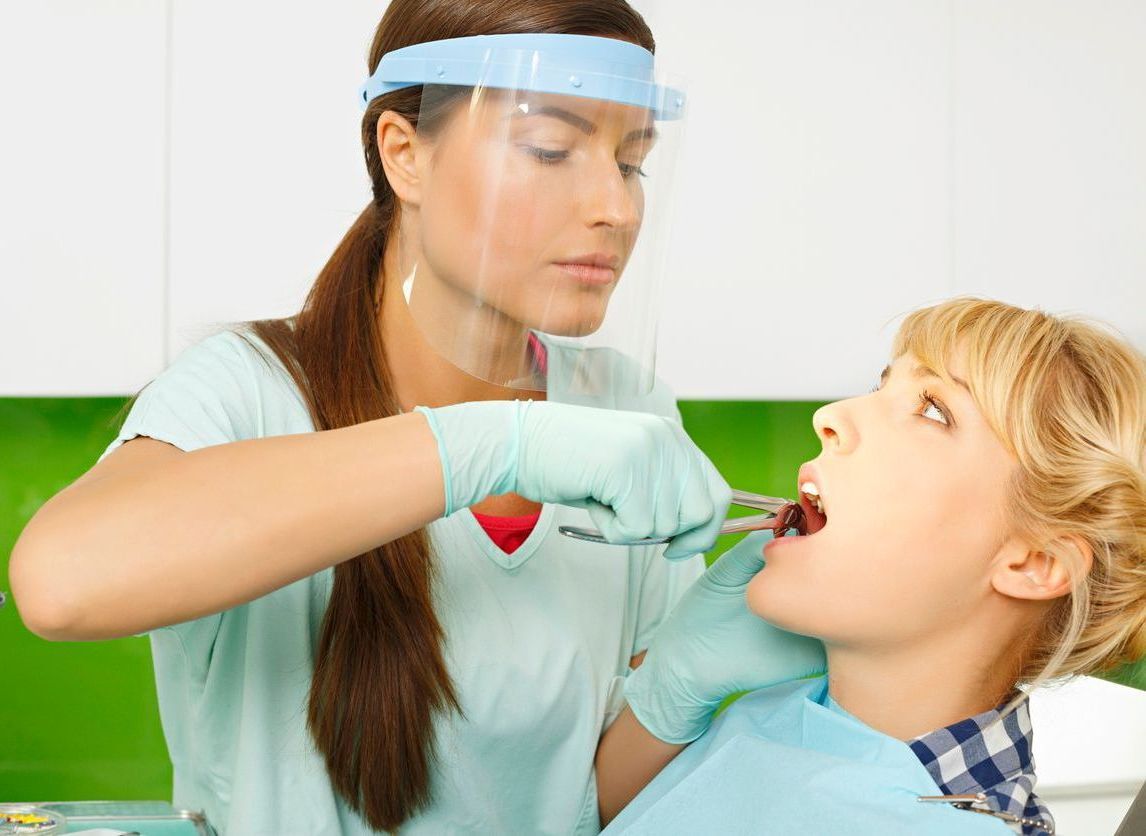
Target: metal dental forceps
<point>781,515</point>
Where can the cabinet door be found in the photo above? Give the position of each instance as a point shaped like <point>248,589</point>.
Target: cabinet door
<point>816,167</point>
<point>1088,734</point>
<point>82,211</point>
<point>844,164</point>
<point>1050,132</point>
<point>814,198</point>
<point>267,169</point>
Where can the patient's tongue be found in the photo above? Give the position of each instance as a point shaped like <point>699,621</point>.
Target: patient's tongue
<point>791,516</point>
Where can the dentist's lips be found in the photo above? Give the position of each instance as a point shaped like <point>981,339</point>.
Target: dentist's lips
<point>593,269</point>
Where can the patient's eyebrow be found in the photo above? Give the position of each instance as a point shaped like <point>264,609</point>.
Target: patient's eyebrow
<point>925,371</point>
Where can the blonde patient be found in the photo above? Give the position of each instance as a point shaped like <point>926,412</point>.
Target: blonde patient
<point>975,523</point>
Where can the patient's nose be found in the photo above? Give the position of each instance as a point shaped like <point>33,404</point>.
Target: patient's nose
<point>834,426</point>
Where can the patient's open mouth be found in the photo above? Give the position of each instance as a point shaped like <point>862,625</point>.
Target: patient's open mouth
<point>804,517</point>
<point>790,518</point>
<point>813,507</point>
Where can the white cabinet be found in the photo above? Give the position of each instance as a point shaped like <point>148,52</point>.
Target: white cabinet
<point>82,203</point>
<point>815,195</point>
<point>844,163</point>
<point>1089,731</point>
<point>848,162</point>
<point>1088,749</point>
<point>1050,156</point>
<point>267,171</point>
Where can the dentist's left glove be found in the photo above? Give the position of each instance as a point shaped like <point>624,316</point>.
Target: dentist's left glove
<point>712,646</point>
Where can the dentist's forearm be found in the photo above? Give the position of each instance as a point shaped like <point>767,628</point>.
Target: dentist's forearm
<point>153,536</point>
<point>628,758</point>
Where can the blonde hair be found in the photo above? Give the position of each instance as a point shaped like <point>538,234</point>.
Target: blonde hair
<point>1067,398</point>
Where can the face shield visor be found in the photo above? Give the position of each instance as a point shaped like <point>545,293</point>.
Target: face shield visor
<point>532,255</point>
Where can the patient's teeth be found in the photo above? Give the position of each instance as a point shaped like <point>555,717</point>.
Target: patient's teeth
<point>810,490</point>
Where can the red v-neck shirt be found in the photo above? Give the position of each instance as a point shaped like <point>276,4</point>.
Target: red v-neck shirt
<point>508,533</point>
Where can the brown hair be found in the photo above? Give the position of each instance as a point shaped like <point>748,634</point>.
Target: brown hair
<point>380,676</point>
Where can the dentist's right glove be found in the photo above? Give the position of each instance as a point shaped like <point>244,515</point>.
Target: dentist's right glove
<point>712,646</point>
<point>638,475</point>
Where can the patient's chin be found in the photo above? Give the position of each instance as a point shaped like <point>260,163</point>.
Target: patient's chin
<point>766,600</point>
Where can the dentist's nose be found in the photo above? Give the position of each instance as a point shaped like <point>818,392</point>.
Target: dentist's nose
<point>836,428</point>
<point>612,201</point>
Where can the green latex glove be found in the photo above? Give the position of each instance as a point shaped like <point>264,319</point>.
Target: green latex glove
<point>712,646</point>
<point>638,475</point>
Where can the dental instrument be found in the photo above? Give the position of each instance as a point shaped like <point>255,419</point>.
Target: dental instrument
<point>782,515</point>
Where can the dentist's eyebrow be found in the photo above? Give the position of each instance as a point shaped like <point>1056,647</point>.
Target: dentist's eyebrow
<point>646,133</point>
<point>924,371</point>
<point>584,125</point>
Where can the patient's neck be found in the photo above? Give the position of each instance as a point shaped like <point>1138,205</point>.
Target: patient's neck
<point>907,691</point>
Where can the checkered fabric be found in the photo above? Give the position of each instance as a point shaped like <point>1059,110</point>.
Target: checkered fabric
<point>988,753</point>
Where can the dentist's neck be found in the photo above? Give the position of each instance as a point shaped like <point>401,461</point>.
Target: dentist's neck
<point>423,376</point>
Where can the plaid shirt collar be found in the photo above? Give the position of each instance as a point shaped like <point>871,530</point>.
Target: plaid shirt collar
<point>989,755</point>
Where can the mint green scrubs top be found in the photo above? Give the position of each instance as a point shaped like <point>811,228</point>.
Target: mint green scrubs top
<point>538,643</point>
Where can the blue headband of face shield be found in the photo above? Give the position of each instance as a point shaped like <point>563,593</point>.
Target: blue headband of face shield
<point>572,65</point>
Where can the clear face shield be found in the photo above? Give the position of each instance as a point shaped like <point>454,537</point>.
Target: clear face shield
<point>533,254</point>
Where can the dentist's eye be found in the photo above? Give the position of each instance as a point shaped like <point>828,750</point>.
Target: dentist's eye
<point>628,170</point>
<point>933,410</point>
<point>546,156</point>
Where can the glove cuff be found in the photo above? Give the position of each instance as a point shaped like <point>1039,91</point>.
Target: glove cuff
<point>478,447</point>
<point>661,709</point>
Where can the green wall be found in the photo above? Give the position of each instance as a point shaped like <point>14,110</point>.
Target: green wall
<point>79,720</point>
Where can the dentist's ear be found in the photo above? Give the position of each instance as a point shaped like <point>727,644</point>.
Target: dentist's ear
<point>1043,574</point>
<point>398,149</point>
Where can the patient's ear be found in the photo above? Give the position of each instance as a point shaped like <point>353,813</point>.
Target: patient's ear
<point>1042,574</point>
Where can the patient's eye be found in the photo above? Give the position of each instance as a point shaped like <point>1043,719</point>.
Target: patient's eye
<point>933,410</point>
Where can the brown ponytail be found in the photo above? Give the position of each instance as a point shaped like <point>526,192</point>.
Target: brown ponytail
<point>380,675</point>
